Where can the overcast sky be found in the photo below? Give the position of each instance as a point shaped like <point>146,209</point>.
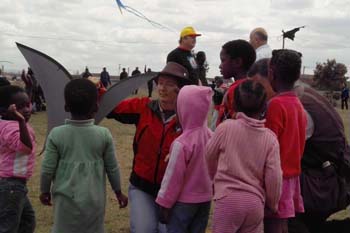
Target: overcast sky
<point>94,33</point>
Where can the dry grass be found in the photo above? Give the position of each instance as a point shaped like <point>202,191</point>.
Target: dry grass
<point>117,220</point>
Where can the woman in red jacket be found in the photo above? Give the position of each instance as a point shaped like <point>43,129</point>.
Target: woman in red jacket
<point>156,129</point>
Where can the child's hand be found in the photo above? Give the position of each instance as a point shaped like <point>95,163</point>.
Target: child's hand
<point>12,111</point>
<point>164,215</point>
<point>122,199</point>
<point>45,199</point>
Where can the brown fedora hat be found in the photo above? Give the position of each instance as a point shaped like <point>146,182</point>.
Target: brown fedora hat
<point>177,71</point>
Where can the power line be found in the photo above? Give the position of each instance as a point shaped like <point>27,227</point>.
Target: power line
<point>111,43</point>
<point>74,39</point>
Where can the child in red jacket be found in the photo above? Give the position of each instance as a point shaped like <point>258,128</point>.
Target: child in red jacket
<point>286,117</point>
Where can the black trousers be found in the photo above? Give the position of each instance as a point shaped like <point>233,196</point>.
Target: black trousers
<point>344,103</point>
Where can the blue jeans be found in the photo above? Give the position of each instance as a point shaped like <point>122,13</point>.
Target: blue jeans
<point>189,218</point>
<point>144,212</point>
<point>16,212</point>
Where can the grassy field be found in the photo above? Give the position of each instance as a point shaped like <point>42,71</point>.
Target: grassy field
<point>117,220</point>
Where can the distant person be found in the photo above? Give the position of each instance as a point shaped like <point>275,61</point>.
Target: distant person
<point>344,97</point>
<point>28,82</point>
<point>258,39</point>
<point>31,78</point>
<point>149,84</point>
<point>39,99</point>
<point>123,74</point>
<point>202,67</point>
<point>17,158</point>
<point>186,189</point>
<point>212,85</point>
<point>136,71</point>
<point>133,73</point>
<point>78,156</point>
<point>243,159</point>
<point>219,89</point>
<point>105,78</point>
<point>86,73</point>
<point>183,54</point>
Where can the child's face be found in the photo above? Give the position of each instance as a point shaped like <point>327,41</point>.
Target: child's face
<point>226,65</point>
<point>23,104</point>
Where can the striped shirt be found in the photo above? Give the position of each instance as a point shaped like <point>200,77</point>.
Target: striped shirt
<point>16,159</point>
<point>243,155</point>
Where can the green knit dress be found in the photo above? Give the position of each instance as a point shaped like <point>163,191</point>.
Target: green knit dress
<point>78,155</point>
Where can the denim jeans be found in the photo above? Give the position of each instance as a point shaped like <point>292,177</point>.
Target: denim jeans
<point>189,218</point>
<point>16,212</point>
<point>144,212</point>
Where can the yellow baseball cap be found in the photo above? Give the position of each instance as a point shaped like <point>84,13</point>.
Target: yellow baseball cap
<point>188,31</point>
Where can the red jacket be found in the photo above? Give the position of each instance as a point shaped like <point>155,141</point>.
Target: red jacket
<point>152,140</point>
<point>226,110</point>
<point>287,119</point>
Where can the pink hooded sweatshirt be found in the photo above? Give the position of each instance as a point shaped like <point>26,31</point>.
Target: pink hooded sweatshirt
<point>186,178</point>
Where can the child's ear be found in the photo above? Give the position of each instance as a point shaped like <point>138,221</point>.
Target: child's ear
<point>238,62</point>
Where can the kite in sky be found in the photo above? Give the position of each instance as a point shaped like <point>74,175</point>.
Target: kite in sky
<point>139,14</point>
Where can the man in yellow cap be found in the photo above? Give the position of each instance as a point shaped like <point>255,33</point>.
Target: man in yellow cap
<point>258,39</point>
<point>183,54</point>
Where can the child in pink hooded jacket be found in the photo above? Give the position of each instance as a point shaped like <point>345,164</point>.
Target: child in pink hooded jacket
<point>186,189</point>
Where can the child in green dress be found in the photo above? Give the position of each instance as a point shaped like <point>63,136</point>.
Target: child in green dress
<point>78,155</point>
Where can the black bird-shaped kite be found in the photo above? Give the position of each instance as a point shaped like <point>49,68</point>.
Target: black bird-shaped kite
<point>291,33</point>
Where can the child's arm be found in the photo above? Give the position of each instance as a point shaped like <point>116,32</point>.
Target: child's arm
<point>48,169</point>
<point>213,150</point>
<point>24,136</point>
<point>273,177</point>
<point>274,118</point>
<point>174,176</point>
<point>112,170</point>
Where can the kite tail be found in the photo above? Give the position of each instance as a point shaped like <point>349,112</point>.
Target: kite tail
<point>140,15</point>
<point>120,6</point>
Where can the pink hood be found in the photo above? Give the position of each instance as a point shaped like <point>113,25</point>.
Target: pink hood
<point>193,104</point>
<point>186,178</point>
